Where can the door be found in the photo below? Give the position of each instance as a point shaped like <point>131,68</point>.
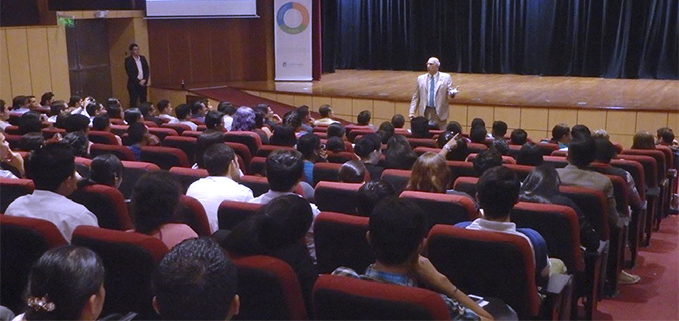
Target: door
<point>88,59</point>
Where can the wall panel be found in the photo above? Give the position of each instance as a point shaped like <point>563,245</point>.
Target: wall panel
<point>5,79</point>
<point>39,61</point>
<point>19,65</point>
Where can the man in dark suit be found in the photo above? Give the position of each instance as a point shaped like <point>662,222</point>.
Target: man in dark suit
<point>137,69</point>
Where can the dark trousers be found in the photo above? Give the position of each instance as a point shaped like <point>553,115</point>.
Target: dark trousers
<point>137,92</point>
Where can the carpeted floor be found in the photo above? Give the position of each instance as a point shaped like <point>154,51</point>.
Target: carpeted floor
<point>656,296</point>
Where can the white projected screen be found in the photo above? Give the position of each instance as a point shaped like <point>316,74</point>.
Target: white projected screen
<point>193,8</point>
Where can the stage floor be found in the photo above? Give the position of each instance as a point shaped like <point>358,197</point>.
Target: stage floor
<point>491,90</point>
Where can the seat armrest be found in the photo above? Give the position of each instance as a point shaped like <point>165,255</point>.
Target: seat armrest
<point>653,191</point>
<point>557,283</point>
<point>557,305</point>
<point>671,173</point>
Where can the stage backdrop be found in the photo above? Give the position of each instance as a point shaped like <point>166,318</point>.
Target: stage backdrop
<point>292,34</point>
<point>601,38</point>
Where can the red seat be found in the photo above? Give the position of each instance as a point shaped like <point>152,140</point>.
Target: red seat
<point>336,196</point>
<point>352,132</point>
<point>129,259</point>
<point>179,128</point>
<point>186,144</point>
<point>466,184</point>
<point>191,133</point>
<point>341,157</point>
<point>505,159</point>
<point>150,123</point>
<point>11,189</point>
<point>162,132</point>
<point>326,172</point>
<point>164,157</point>
<point>119,130</point>
<point>244,153</point>
<point>459,168</point>
<point>423,149</point>
<point>258,184</point>
<point>186,176</point>
<point>102,137</point>
<point>653,192</point>
<point>398,178</point>
<point>13,130</point>
<point>340,241</point>
<point>265,150</point>
<point>521,171</point>
<point>257,166</point>
<point>132,170</point>
<point>268,289</point>
<point>249,139</point>
<point>48,133</point>
<point>560,153</point>
<point>117,121</point>
<point>476,147</point>
<point>443,208</point>
<point>230,213</point>
<point>13,140</point>
<point>22,241</point>
<point>555,161</point>
<point>107,203</point>
<point>345,298</point>
<point>549,148</point>
<point>422,142</point>
<point>122,152</point>
<point>194,215</point>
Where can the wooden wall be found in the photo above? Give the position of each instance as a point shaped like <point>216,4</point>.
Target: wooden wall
<point>212,51</point>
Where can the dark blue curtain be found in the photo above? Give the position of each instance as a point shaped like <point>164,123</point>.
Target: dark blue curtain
<point>599,38</point>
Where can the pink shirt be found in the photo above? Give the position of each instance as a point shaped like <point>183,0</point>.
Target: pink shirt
<point>172,234</point>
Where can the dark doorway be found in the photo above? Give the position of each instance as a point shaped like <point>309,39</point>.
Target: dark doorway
<point>88,59</point>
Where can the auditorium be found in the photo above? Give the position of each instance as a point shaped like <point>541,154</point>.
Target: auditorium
<point>444,159</point>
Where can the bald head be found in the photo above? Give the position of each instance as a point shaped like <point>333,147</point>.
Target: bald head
<point>433,65</point>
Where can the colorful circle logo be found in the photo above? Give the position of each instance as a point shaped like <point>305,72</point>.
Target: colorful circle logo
<point>280,17</point>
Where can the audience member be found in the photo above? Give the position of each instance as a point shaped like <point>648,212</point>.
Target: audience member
<point>454,127</point>
<point>133,115</point>
<point>138,137</point>
<point>105,169</point>
<point>431,174</point>
<point>204,141</point>
<point>477,122</point>
<point>30,123</point>
<point>165,112</point>
<point>52,169</point>
<point>93,109</point>
<point>601,133</point>
<point>214,121</point>
<point>113,108</point>
<point>370,194</point>
<point>368,149</point>
<point>580,131</point>
<point>12,162</point>
<point>4,116</point>
<point>32,141</point>
<point>283,135</point>
<point>103,123</point>
<point>561,135</point>
<point>261,128</point>
<point>307,120</point>
<point>313,151</point>
<point>499,129</point>
<point>78,143</point>
<point>386,131</point>
<point>271,119</point>
<point>518,137</point>
<point>335,144</point>
<point>399,154</point>
<point>198,110</point>
<point>398,121</point>
<point>419,127</point>
<point>478,134</point>
<point>57,107</point>
<point>183,112</point>
<point>336,130</point>
<point>228,109</point>
<point>487,159</point>
<point>529,154</point>
<point>500,144</point>
<point>20,104</point>
<point>643,140</point>
<point>460,152</point>
<point>326,116</point>
<point>148,112</point>
<point>605,152</point>
<point>363,119</point>
<point>294,120</point>
<point>352,171</point>
<point>47,99</point>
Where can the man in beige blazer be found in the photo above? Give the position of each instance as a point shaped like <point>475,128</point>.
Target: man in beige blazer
<point>432,101</point>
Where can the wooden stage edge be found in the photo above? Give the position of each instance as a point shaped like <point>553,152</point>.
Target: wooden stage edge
<point>486,90</point>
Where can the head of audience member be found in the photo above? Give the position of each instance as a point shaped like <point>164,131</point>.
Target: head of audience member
<point>497,191</point>
<point>665,136</point>
<point>419,127</point>
<point>265,112</point>
<point>283,135</point>
<point>147,109</point>
<point>529,154</point>
<point>284,169</point>
<point>325,111</point>
<point>310,146</point>
<point>113,108</point>
<point>386,131</point>
<point>396,231</point>
<point>57,107</point>
<point>20,102</point>
<point>183,112</point>
<point>46,99</point>
<point>541,184</point>
<point>243,119</point>
<point>94,109</point>
<point>580,130</point>
<point>75,101</point>
<point>518,137</point>
<point>370,194</point>
<point>33,103</point>
<point>78,142</point>
<point>133,115</point>
<point>487,159</point>
<point>101,123</point>
<point>605,150</point>
<point>304,114</point>
<point>260,116</point>
<point>4,111</point>
<point>220,160</point>
<point>363,118</point>
<point>30,123</point>
<point>164,107</point>
<point>398,121</point>
<point>500,144</point>
<point>196,280</point>
<point>285,222</point>
<point>138,134</point>
<point>368,148</point>
<point>460,152</point>
<point>154,200</point>
<point>107,169</point>
<point>214,120</point>
<point>77,123</point>
<point>61,120</point>
<point>561,133</point>
<point>52,168</point>
<point>643,140</point>
<point>227,108</point>
<point>336,130</point>
<point>399,154</point>
<point>499,129</point>
<point>582,151</point>
<point>66,283</point>
<point>198,108</point>
<point>352,171</point>
<point>601,133</point>
<point>31,141</point>
<point>335,144</point>
<point>429,174</point>
<point>477,122</point>
<point>477,134</point>
<point>293,119</point>
<point>204,141</point>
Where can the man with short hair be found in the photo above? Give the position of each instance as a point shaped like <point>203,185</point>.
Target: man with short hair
<point>214,121</point>
<point>220,162</point>
<point>518,137</point>
<point>52,169</point>
<point>20,104</point>
<point>183,112</point>
<point>487,159</point>
<point>398,121</point>
<point>137,69</point>
<point>326,116</point>
<point>396,234</point>
<point>605,152</point>
<point>148,112</point>
<point>370,194</point>
<point>228,109</point>
<point>336,130</point>
<point>165,111</point>
<point>561,135</point>
<point>363,119</point>
<point>432,92</point>
<point>196,280</point>
<point>47,99</point>
<point>198,110</point>
<point>305,116</point>
<point>103,123</point>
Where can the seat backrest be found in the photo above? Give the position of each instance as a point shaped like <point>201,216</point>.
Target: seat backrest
<point>548,148</point>
<point>107,203</point>
<point>164,157</point>
<point>129,259</point>
<point>620,192</point>
<point>119,130</point>
<point>13,140</point>
<point>194,215</point>
<point>521,171</point>
<point>443,208</point>
<point>162,132</point>
<point>460,168</point>
<point>466,184</point>
<point>336,196</point>
<point>230,213</point>
<point>358,131</point>
<point>424,142</point>
<point>131,172</point>
<point>186,176</point>
<point>242,151</point>
<point>593,204</point>
<point>268,290</point>
<point>558,225</point>
<point>341,157</point>
<point>258,184</point>
<point>11,189</point>
<point>345,298</point>
<point>122,152</point>
<point>48,133</point>
<point>191,133</point>
<point>636,170</point>
<point>658,156</point>
<point>179,128</point>
<point>398,178</point>
<point>257,166</point>
<point>326,172</point>
<point>22,241</point>
<point>249,139</point>
<point>340,241</point>
<point>648,163</point>
<point>102,137</point>
<point>669,155</point>
<point>476,147</point>
<point>186,144</point>
<point>423,149</point>
<point>265,150</point>
<point>487,263</point>
<point>555,161</point>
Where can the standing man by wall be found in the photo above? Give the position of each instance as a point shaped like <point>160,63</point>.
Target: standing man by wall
<point>431,94</point>
<point>137,69</point>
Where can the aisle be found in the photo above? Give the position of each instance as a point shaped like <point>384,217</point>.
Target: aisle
<point>656,297</point>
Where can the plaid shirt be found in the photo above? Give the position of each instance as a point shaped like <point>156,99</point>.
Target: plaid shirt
<point>457,311</point>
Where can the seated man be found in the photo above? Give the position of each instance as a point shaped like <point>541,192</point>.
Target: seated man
<point>214,121</point>
<point>221,164</point>
<point>398,121</point>
<point>326,116</point>
<point>196,280</point>
<point>561,135</point>
<point>52,169</point>
<point>396,234</point>
<point>198,110</point>
<point>183,112</point>
<point>370,194</point>
<point>363,119</point>
<point>605,151</point>
<point>103,123</point>
<point>284,170</point>
<point>138,136</point>
<point>11,159</point>
<point>487,159</point>
<point>165,111</point>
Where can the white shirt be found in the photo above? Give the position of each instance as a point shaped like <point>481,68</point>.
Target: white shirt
<point>270,195</point>
<point>53,207</point>
<point>191,124</point>
<point>3,125</point>
<point>212,190</point>
<point>140,74</point>
<point>228,121</point>
<point>172,119</point>
<point>7,174</point>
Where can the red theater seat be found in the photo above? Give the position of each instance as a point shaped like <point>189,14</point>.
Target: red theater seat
<point>131,172</point>
<point>122,152</point>
<point>336,196</point>
<point>195,216</point>
<point>443,208</point>
<point>179,128</point>
<point>341,157</point>
<point>164,157</point>
<point>186,144</point>
<point>102,137</point>
<point>265,150</point>
<point>326,172</point>
<point>340,241</point>
<point>186,176</point>
<point>107,203</point>
<point>244,153</point>
<point>249,139</point>
<point>11,189</point>
<point>231,213</point>
<point>466,184</point>
<point>398,178</point>
<point>162,132</point>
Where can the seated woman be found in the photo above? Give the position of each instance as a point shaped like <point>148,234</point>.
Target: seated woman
<point>279,230</point>
<point>103,123</point>
<point>643,140</point>
<point>542,186</point>
<point>399,154</point>
<point>431,174</point>
<point>352,172</point>
<point>260,125</point>
<point>66,283</point>
<point>106,169</point>
<point>155,200</point>
<point>368,150</point>
<point>283,135</point>
<point>313,151</point>
<point>244,120</point>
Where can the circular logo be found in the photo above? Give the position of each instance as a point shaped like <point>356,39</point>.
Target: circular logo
<point>293,11</point>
